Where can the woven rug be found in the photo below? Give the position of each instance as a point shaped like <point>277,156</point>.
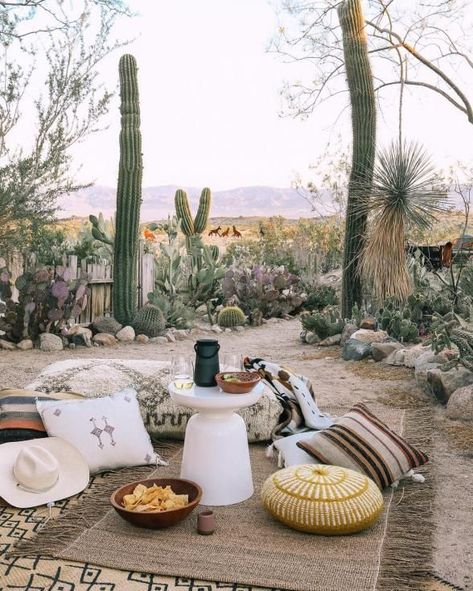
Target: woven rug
<point>250,550</point>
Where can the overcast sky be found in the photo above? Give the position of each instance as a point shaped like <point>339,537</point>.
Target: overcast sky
<point>210,100</point>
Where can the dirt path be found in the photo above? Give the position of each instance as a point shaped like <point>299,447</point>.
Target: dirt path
<point>336,383</point>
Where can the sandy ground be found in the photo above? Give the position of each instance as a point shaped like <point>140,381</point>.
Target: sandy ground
<point>337,383</point>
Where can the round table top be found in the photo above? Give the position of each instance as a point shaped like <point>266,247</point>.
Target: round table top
<point>214,398</point>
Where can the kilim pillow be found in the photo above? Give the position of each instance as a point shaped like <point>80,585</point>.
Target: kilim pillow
<point>324,500</point>
<point>19,419</point>
<point>360,441</point>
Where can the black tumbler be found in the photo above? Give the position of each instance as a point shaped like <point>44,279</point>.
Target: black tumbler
<point>206,362</point>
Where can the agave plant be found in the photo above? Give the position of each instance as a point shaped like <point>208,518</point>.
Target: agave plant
<point>405,195</point>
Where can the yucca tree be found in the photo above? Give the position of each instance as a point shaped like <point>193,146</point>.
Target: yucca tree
<point>405,194</point>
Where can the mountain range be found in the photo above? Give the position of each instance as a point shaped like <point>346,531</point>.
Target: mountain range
<point>158,202</point>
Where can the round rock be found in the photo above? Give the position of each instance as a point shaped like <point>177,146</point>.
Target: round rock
<point>126,334</point>
<point>104,339</point>
<point>460,404</point>
<point>50,342</point>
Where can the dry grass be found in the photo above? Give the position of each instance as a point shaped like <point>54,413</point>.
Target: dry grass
<point>322,353</point>
<point>379,371</point>
<point>407,397</point>
<point>459,435</point>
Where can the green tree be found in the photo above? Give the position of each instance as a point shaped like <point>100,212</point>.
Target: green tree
<point>57,47</point>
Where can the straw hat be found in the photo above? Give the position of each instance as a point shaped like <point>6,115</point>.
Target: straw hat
<point>40,471</point>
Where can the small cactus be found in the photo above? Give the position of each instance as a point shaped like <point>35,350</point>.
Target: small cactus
<point>149,320</point>
<point>231,316</point>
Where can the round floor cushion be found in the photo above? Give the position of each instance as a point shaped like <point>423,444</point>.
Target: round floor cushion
<point>321,499</point>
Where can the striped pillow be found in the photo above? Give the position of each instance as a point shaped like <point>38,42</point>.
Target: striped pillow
<point>361,442</point>
<point>19,418</point>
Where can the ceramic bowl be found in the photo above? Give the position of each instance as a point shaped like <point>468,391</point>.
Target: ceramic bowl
<point>246,381</point>
<point>160,519</point>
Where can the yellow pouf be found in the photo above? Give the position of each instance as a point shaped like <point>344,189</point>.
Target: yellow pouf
<point>325,500</point>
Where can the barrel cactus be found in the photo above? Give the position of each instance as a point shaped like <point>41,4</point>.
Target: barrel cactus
<point>231,316</point>
<point>130,174</point>
<point>192,228</point>
<point>149,320</point>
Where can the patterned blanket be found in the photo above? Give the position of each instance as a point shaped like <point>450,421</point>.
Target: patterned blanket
<point>296,395</point>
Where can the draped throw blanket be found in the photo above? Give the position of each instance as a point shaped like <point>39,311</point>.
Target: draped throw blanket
<point>296,395</point>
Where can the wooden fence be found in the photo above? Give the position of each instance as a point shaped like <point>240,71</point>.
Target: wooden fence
<point>100,276</point>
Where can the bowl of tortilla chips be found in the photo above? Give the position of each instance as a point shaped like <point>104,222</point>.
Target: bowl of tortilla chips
<point>156,502</point>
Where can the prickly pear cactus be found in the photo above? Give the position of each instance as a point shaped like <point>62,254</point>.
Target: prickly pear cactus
<point>231,316</point>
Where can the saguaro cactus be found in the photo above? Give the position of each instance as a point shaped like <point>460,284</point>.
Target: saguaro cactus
<point>363,115</point>
<point>192,228</point>
<point>130,174</point>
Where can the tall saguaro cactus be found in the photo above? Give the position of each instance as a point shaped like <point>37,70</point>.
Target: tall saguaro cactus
<point>363,115</point>
<point>130,174</point>
<point>192,228</point>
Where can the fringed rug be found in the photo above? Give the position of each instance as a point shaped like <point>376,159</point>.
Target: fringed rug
<point>249,550</point>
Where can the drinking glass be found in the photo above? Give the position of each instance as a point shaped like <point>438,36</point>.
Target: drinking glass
<point>231,362</point>
<point>182,372</point>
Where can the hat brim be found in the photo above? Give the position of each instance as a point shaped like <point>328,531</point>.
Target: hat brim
<point>73,473</point>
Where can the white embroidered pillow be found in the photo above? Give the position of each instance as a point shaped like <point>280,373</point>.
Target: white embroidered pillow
<point>109,432</point>
<point>292,455</point>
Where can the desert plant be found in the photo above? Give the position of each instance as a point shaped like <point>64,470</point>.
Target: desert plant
<point>363,116</point>
<point>397,322</point>
<point>449,330</point>
<point>324,324</point>
<point>192,228</point>
<point>45,303</point>
<point>130,173</point>
<point>231,316</point>
<point>270,291</point>
<point>149,320</point>
<point>403,196</point>
<point>320,296</point>
<point>176,313</point>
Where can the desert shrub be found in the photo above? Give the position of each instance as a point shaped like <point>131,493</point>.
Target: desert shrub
<point>45,303</point>
<point>263,290</point>
<point>325,323</point>
<point>320,296</point>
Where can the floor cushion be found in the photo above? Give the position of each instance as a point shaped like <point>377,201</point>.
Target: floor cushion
<point>359,440</point>
<point>162,417</point>
<point>326,500</point>
<point>19,418</point>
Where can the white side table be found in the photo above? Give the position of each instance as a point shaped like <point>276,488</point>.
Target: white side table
<point>216,453</point>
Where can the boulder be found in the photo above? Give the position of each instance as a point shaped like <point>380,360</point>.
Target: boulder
<point>6,345</point>
<point>421,376</point>
<point>370,336</point>
<point>312,338</point>
<point>104,339</point>
<point>143,339</point>
<point>50,342</point>
<point>397,357</point>
<point>80,335</point>
<point>106,324</point>
<point>170,336</point>
<point>460,404</point>
<point>25,345</point>
<point>126,334</point>
<point>354,350</point>
<point>444,383</point>
<point>381,351</point>
<point>239,328</point>
<point>347,331</point>
<point>430,356</point>
<point>369,323</point>
<point>158,340</point>
<point>216,328</point>
<point>331,341</point>
<point>412,353</point>
<point>181,334</point>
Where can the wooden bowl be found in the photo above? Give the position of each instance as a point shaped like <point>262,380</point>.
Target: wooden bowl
<point>246,381</point>
<point>160,519</point>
